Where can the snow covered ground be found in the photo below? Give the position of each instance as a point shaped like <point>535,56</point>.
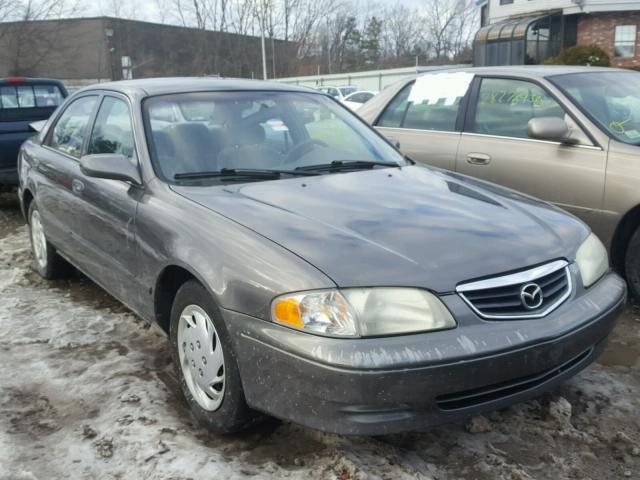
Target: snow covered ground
<point>87,390</point>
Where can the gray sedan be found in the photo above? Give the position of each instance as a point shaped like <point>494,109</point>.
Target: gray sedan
<point>302,267</point>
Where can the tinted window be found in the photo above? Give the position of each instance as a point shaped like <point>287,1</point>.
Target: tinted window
<point>361,97</point>
<point>394,113</point>
<point>348,90</point>
<point>432,102</point>
<point>9,97</point>
<point>112,132</point>
<point>612,99</point>
<point>47,95</point>
<point>27,96</point>
<point>70,130</point>
<point>505,107</point>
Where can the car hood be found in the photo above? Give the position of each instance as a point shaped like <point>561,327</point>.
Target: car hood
<point>410,226</point>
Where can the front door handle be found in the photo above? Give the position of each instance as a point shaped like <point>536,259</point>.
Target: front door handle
<point>77,186</point>
<point>478,159</point>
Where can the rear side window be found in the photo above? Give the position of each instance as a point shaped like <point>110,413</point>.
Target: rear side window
<point>9,97</point>
<point>112,132</point>
<point>393,115</point>
<point>432,102</point>
<point>505,107</point>
<point>30,96</point>
<point>47,95</point>
<point>70,130</point>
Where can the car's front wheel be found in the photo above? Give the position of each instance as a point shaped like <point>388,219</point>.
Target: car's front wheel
<point>46,260</point>
<point>205,362</point>
<point>632,264</point>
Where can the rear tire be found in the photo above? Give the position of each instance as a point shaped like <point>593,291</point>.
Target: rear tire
<point>46,260</point>
<point>205,362</point>
<point>632,264</point>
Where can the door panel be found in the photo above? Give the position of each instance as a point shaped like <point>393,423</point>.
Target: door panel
<point>106,209</point>
<point>570,177</point>
<point>497,149</point>
<point>431,148</point>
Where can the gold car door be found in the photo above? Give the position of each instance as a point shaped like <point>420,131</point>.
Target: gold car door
<point>496,147</point>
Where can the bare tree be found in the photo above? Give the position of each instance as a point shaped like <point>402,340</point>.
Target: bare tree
<point>402,31</point>
<point>19,38</point>
<point>449,26</point>
<point>120,9</point>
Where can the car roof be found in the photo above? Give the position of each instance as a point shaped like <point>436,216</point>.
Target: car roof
<point>532,71</point>
<point>164,86</point>
<point>29,81</point>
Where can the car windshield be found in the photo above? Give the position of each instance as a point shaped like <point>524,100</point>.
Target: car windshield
<point>348,90</point>
<point>612,99</point>
<point>226,132</point>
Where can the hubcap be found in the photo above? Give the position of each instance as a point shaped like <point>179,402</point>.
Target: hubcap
<point>201,357</point>
<point>38,240</point>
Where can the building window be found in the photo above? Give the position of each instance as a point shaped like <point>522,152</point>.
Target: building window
<point>506,2</point>
<point>484,15</point>
<point>625,41</point>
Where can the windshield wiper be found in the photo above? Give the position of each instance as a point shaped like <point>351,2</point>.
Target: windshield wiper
<point>338,165</point>
<point>240,172</point>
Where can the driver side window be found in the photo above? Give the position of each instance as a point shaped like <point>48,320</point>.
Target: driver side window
<point>505,107</point>
<point>70,130</point>
<point>112,132</point>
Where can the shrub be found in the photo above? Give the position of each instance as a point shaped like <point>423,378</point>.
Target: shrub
<point>581,55</point>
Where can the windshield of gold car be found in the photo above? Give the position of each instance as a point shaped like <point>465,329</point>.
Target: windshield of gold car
<point>612,99</point>
<point>203,132</point>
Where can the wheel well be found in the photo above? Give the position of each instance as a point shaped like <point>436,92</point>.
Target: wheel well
<point>627,226</point>
<point>27,198</point>
<point>169,281</point>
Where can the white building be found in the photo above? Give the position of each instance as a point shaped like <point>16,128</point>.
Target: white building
<point>516,32</point>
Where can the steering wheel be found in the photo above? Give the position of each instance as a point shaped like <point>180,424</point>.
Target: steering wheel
<point>302,148</point>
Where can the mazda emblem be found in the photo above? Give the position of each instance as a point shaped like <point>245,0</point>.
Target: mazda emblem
<point>531,296</point>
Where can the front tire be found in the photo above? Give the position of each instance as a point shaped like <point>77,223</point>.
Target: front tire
<point>632,264</point>
<point>205,362</point>
<point>46,260</point>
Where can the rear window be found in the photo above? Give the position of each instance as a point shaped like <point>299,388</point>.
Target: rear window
<point>30,96</point>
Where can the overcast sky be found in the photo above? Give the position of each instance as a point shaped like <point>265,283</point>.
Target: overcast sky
<point>148,9</point>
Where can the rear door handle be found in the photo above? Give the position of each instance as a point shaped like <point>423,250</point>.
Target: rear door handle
<point>478,159</point>
<point>77,186</point>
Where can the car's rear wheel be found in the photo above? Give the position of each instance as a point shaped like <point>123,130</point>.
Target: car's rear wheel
<point>632,264</point>
<point>46,260</point>
<point>205,362</point>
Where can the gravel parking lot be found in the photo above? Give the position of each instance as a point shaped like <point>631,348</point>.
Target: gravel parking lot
<point>87,390</point>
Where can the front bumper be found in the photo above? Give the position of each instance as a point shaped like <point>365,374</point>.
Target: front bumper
<point>387,385</point>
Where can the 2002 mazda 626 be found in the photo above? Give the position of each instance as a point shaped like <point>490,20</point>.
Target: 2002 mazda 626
<point>302,267</point>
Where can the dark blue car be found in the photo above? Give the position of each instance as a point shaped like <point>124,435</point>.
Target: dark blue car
<point>22,102</point>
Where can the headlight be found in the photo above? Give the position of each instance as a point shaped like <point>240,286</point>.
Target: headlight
<point>363,312</point>
<point>592,260</point>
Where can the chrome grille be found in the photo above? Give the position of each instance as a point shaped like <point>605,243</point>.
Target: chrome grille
<point>502,297</point>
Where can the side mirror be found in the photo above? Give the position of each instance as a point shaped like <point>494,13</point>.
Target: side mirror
<point>554,129</point>
<point>394,141</point>
<point>111,167</point>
